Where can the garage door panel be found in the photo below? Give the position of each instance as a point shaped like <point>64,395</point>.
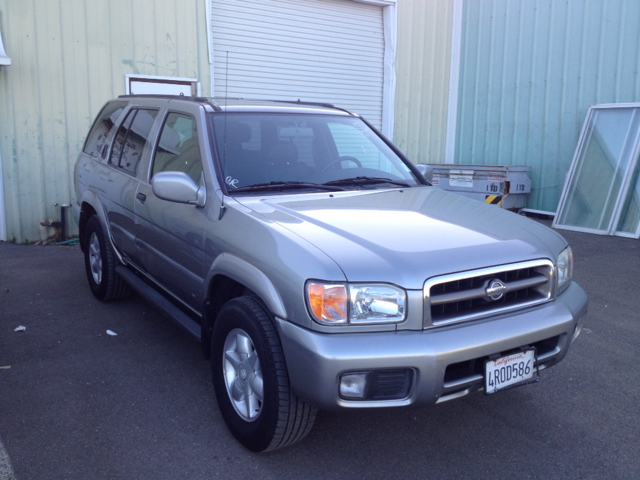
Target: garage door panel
<point>339,71</point>
<point>313,50</point>
<point>315,57</point>
<point>339,12</point>
<point>293,44</point>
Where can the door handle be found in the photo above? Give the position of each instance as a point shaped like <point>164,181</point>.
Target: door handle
<point>141,197</point>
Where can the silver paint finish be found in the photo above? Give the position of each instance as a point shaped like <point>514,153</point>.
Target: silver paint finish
<point>248,275</point>
<point>170,235</point>
<point>273,243</point>
<point>89,197</point>
<point>178,187</point>
<point>428,352</point>
<point>406,236</point>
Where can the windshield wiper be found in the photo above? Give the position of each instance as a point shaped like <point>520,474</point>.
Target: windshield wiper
<point>366,181</point>
<point>288,185</point>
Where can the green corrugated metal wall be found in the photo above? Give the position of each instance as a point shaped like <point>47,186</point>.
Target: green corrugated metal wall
<point>530,70</point>
<point>68,58</point>
<point>422,84</point>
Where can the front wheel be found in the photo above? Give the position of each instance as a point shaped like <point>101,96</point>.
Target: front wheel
<point>251,380</point>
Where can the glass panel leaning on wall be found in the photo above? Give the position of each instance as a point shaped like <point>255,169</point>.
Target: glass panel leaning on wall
<point>602,191</point>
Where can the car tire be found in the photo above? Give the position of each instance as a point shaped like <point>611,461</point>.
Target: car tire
<point>251,380</point>
<point>100,264</point>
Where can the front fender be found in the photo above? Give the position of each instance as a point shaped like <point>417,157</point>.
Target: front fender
<point>251,277</point>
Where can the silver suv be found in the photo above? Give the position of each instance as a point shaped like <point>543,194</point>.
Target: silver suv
<point>316,265</point>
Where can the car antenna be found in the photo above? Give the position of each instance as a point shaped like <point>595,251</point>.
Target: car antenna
<point>224,139</point>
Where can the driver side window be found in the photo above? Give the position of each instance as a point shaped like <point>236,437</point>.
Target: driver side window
<point>178,149</point>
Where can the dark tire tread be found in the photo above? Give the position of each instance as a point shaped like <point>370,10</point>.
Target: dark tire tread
<point>294,417</point>
<point>115,287</point>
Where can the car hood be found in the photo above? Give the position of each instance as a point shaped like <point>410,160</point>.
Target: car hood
<point>404,236</point>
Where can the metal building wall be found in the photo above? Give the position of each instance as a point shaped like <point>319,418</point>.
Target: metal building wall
<point>68,58</point>
<point>422,83</point>
<point>529,72</point>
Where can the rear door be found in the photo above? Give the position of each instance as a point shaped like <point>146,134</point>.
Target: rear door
<point>170,236</point>
<point>127,151</point>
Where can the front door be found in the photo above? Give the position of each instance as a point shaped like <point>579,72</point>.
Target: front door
<point>170,236</point>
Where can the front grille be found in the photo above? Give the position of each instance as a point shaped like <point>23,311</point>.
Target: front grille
<point>467,295</point>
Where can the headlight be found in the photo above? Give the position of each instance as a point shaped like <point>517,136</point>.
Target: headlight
<point>342,304</point>
<point>564,267</point>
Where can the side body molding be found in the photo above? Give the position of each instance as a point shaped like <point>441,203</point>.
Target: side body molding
<point>93,199</point>
<point>250,276</point>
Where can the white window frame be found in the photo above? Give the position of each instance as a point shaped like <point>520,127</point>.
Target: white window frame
<point>193,82</point>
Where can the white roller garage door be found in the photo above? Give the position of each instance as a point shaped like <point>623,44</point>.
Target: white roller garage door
<point>312,50</point>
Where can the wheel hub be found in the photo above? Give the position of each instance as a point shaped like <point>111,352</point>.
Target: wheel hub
<point>243,375</point>
<point>95,258</point>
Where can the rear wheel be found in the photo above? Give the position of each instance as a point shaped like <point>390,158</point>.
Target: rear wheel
<point>251,380</point>
<point>100,264</point>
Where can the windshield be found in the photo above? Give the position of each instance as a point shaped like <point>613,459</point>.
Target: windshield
<point>274,152</point>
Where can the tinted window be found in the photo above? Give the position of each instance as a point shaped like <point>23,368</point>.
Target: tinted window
<point>131,138</point>
<point>97,137</point>
<point>119,139</point>
<point>178,149</point>
<point>262,148</point>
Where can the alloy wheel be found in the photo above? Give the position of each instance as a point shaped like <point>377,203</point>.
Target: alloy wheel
<point>243,375</point>
<point>95,258</point>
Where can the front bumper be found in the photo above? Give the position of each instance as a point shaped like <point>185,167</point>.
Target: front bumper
<point>444,361</point>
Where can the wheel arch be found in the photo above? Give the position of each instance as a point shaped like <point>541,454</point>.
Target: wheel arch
<point>92,205</point>
<point>230,277</point>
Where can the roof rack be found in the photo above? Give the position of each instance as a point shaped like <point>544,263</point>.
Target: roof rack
<point>314,104</point>
<point>216,104</point>
<point>176,97</point>
<point>298,102</point>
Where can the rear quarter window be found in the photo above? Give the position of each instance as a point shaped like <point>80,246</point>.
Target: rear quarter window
<point>97,138</point>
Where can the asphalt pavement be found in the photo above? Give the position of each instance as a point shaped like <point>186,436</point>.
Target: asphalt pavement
<point>77,403</point>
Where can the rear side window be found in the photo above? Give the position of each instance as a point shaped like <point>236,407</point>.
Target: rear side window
<point>97,138</point>
<point>131,138</point>
<point>178,149</point>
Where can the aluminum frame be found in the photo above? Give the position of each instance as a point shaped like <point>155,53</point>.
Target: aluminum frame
<point>576,168</point>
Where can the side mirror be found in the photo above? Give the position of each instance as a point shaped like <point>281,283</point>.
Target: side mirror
<point>178,187</point>
<point>425,170</point>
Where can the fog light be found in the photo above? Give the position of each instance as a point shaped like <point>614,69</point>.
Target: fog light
<point>353,385</point>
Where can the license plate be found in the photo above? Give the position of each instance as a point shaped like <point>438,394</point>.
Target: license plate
<point>511,370</point>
